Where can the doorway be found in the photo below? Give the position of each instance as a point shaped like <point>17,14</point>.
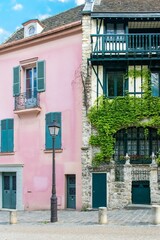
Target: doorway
<point>99,190</point>
<point>141,192</point>
<point>9,190</point>
<point>71,191</point>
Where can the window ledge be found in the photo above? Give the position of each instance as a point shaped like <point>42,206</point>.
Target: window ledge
<point>56,151</point>
<point>28,111</point>
<point>6,153</point>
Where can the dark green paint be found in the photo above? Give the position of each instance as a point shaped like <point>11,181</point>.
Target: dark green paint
<point>140,192</point>
<point>9,190</point>
<point>99,190</point>
<point>71,191</point>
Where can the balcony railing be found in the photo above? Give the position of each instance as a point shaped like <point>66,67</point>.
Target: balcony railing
<point>103,44</point>
<point>27,101</point>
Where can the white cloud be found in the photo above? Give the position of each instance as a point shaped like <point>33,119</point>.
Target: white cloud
<point>43,16</point>
<point>3,35</point>
<point>63,1</point>
<point>18,7</point>
<point>79,2</point>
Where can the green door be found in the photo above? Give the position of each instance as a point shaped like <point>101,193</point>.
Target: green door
<point>99,190</point>
<point>71,191</point>
<point>9,190</point>
<point>140,192</point>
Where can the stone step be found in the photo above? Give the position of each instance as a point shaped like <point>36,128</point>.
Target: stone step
<point>138,206</point>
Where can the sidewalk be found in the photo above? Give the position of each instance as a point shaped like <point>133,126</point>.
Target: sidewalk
<point>122,217</point>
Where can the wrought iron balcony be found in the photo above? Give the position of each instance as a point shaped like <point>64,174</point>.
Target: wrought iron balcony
<point>27,101</point>
<point>125,44</point>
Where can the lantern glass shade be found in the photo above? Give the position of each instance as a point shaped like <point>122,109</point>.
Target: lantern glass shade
<point>54,128</point>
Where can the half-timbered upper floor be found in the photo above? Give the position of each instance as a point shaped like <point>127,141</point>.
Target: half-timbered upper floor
<point>125,29</point>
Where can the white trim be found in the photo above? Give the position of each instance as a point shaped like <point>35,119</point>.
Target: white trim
<point>18,169</point>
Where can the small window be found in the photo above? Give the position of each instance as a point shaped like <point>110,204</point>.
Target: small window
<point>120,28</point>
<point>115,28</point>
<point>110,28</point>
<point>31,30</point>
<point>114,84</point>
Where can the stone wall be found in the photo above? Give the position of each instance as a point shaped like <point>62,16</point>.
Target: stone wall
<point>119,192</point>
<point>86,151</point>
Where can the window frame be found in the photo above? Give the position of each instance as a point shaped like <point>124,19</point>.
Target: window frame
<point>115,75</point>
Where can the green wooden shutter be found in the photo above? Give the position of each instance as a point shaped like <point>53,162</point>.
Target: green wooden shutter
<point>48,136</point>
<point>16,81</point>
<point>41,76</point>
<point>10,135</point>
<point>49,119</point>
<point>4,136</point>
<point>7,135</point>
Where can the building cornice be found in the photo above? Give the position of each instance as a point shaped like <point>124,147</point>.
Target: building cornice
<point>125,15</point>
<point>59,32</point>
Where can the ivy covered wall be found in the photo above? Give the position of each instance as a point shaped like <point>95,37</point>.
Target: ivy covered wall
<point>107,116</point>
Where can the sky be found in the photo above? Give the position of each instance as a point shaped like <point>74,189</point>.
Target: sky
<point>13,13</point>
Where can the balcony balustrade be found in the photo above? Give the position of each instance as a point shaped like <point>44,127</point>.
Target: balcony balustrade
<point>27,101</point>
<point>131,44</point>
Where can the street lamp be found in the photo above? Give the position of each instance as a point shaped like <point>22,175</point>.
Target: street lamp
<point>53,129</point>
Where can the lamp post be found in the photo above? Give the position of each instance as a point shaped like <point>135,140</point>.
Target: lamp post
<point>53,129</point>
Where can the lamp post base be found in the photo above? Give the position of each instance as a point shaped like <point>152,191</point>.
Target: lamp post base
<point>54,208</point>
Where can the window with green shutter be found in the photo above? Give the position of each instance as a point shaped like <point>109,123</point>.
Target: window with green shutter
<point>39,69</point>
<point>7,135</point>
<point>49,119</point>
<point>16,81</point>
<point>41,76</point>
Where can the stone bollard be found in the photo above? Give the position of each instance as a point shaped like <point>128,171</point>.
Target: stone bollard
<point>102,215</point>
<point>13,217</point>
<point>156,214</point>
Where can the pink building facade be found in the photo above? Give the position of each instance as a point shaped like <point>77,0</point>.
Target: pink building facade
<point>40,82</point>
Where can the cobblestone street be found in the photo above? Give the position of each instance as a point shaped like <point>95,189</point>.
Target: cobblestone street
<point>122,224</point>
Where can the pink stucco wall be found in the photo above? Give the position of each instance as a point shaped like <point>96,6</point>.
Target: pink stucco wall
<point>63,94</point>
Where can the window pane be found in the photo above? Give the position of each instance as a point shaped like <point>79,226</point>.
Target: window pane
<point>119,85</point>
<point>120,28</point>
<point>31,83</point>
<point>110,84</point>
<point>110,28</point>
<point>28,83</point>
<point>155,84</point>
<point>6,183</point>
<point>115,84</point>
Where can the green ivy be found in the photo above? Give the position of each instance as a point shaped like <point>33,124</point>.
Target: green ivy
<point>112,115</point>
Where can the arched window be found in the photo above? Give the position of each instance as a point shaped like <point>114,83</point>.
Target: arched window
<point>138,143</point>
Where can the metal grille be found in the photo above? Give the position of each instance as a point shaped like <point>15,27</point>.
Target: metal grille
<point>23,102</point>
<point>140,175</point>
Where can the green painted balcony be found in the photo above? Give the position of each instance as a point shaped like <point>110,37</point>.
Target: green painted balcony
<point>125,45</point>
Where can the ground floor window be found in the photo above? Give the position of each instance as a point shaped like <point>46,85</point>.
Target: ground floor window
<point>139,143</point>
